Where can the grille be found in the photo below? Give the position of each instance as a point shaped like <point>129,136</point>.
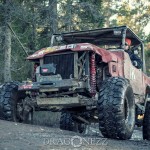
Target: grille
<point>64,64</point>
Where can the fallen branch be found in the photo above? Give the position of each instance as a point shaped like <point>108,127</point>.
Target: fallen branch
<point>17,39</point>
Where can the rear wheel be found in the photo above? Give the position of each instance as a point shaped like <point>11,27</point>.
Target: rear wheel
<point>11,107</point>
<point>116,108</point>
<point>68,122</point>
<point>146,122</point>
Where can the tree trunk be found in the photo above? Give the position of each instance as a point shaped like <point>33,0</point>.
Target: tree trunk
<point>7,43</point>
<point>107,23</point>
<point>53,21</point>
<point>69,13</point>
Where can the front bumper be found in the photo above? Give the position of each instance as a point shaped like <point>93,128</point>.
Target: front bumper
<point>52,85</point>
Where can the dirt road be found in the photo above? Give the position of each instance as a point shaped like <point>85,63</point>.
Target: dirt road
<point>14,136</point>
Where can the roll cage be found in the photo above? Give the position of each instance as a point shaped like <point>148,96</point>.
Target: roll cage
<point>103,37</point>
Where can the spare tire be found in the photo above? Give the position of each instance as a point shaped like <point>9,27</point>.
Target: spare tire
<point>116,108</point>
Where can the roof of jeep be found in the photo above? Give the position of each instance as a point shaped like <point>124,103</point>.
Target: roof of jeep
<point>103,36</point>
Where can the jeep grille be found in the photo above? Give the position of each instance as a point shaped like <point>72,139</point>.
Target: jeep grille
<point>64,64</point>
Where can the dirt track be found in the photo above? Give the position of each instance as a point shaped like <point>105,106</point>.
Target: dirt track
<point>16,136</point>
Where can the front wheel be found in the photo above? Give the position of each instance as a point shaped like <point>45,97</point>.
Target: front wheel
<point>116,108</point>
<point>8,102</point>
<point>12,107</point>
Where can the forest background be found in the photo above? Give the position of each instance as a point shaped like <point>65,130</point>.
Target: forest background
<point>27,26</point>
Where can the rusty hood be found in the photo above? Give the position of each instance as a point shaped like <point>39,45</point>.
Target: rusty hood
<point>106,55</point>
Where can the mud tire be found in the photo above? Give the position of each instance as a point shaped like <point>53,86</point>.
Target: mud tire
<point>9,98</point>
<point>146,122</point>
<point>116,109</point>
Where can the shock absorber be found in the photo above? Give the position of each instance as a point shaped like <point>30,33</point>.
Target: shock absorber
<point>92,75</point>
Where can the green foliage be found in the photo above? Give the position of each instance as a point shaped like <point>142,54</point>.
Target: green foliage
<point>134,14</point>
<point>80,15</point>
<point>147,53</point>
<point>147,57</point>
<point>147,38</point>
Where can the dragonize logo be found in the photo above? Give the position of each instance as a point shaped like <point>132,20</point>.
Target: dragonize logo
<point>75,141</point>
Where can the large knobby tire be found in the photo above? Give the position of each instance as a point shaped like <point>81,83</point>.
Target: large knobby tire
<point>9,98</point>
<point>116,108</point>
<point>146,122</point>
<point>67,122</point>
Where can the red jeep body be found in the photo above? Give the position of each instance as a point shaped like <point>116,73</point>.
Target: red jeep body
<point>118,61</point>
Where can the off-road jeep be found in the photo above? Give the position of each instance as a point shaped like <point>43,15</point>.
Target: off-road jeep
<point>88,77</point>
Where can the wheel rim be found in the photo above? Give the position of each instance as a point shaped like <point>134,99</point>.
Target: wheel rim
<point>126,110</point>
<point>129,110</point>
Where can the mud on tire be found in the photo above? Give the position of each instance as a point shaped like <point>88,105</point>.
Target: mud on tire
<point>146,122</point>
<point>67,122</point>
<point>9,98</point>
<point>116,108</point>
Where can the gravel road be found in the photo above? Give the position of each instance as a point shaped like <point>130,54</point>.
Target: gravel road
<point>16,136</point>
